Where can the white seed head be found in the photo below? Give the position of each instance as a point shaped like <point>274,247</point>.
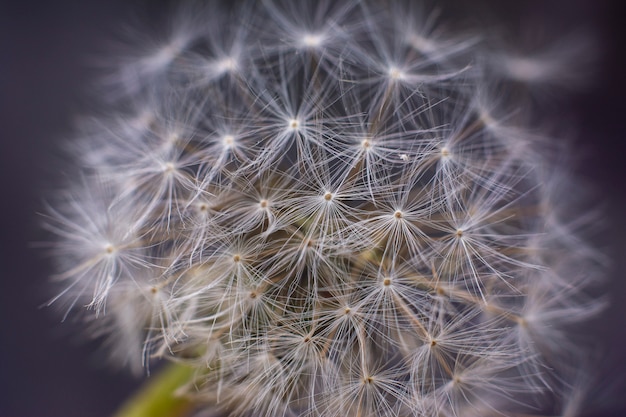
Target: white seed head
<point>350,223</point>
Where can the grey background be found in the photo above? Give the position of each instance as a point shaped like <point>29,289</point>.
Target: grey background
<point>46,56</point>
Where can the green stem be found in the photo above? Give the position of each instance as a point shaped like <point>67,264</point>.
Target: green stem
<point>158,397</point>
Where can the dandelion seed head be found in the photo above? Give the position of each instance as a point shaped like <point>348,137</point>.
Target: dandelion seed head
<point>334,208</point>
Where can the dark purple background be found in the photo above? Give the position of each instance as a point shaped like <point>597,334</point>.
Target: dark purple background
<point>45,55</point>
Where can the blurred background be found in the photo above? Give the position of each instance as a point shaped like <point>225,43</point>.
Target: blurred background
<point>47,52</point>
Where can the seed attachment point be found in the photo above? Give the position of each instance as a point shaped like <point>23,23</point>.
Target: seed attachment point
<point>294,124</point>
<point>312,40</point>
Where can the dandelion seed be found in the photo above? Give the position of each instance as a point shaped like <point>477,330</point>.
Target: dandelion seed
<point>226,65</point>
<point>294,124</point>
<point>396,74</point>
<point>312,40</point>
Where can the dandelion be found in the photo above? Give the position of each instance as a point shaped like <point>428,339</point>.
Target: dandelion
<point>327,211</point>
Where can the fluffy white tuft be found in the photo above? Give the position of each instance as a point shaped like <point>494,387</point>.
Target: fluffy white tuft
<point>331,209</point>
